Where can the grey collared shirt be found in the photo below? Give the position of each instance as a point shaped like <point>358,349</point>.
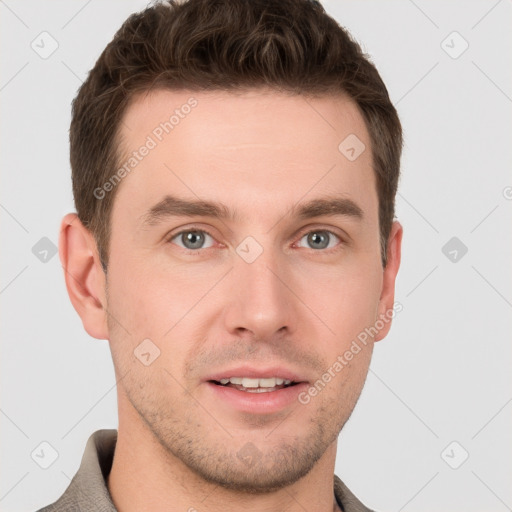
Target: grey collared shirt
<point>88,490</point>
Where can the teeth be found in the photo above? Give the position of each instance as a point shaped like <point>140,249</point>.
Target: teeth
<point>251,383</point>
<point>267,383</point>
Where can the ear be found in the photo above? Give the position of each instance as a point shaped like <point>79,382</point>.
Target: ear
<point>387,297</point>
<point>85,279</point>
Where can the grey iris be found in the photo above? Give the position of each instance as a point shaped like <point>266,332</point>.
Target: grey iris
<point>318,239</point>
<point>193,239</point>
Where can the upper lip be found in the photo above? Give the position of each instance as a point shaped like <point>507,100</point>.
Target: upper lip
<point>256,373</point>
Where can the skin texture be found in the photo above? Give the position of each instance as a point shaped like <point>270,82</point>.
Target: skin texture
<point>260,153</point>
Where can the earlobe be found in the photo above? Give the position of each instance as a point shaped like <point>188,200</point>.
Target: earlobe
<point>387,297</point>
<point>85,280</point>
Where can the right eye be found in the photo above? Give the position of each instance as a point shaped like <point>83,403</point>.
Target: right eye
<point>193,239</point>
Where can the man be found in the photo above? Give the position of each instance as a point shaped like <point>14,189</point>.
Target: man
<point>234,167</point>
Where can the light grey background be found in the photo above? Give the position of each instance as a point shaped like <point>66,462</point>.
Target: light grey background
<point>443,373</point>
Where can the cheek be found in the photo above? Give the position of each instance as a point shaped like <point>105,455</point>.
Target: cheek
<point>344,297</point>
<point>153,299</point>
<point>139,292</point>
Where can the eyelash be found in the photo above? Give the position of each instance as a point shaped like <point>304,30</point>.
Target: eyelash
<point>338,247</point>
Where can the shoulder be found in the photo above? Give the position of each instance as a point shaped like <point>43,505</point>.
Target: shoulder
<point>346,499</point>
<point>88,489</point>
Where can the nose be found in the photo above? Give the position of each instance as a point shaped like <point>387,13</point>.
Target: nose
<point>261,305</point>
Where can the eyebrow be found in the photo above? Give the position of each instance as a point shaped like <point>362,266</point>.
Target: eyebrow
<point>171,206</point>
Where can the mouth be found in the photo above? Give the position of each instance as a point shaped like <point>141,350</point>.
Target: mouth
<point>255,385</point>
<point>261,391</point>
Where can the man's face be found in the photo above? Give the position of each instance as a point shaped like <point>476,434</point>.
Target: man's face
<point>278,287</point>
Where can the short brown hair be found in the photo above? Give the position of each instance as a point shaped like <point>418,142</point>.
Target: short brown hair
<point>288,45</point>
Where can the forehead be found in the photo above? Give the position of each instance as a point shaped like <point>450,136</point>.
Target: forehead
<point>258,148</point>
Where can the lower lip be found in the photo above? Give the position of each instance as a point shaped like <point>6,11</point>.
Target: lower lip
<point>258,403</point>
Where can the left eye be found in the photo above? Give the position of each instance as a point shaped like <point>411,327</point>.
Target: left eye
<point>193,240</point>
<point>321,239</point>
